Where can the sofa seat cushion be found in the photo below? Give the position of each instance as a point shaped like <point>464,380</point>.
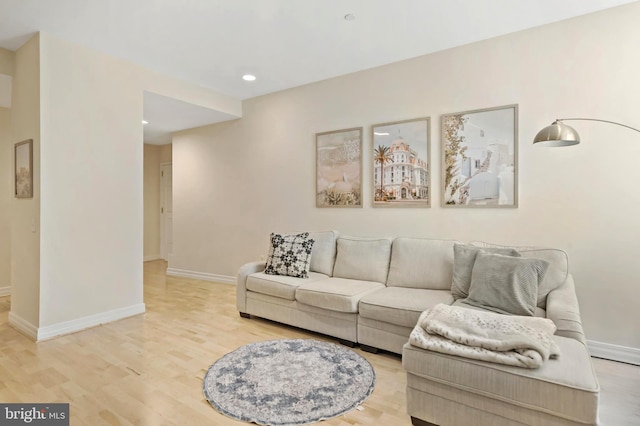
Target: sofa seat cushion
<point>335,294</point>
<point>565,387</point>
<point>401,305</point>
<point>279,285</point>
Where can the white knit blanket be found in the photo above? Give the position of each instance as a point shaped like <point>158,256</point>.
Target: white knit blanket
<point>487,336</point>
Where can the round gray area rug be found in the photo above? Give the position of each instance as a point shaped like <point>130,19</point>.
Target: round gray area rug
<point>288,382</point>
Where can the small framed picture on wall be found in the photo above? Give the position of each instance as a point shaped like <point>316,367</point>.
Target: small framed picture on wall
<point>23,166</point>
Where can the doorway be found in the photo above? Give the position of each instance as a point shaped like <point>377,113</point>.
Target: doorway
<point>166,210</point>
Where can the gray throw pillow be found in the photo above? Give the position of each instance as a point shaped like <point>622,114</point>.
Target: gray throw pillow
<point>464,257</point>
<point>506,284</point>
<point>556,274</point>
<point>289,255</point>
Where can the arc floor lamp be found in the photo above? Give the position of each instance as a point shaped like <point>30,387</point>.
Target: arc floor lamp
<point>560,134</point>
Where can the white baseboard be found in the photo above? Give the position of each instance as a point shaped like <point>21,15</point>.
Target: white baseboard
<point>23,326</point>
<point>5,291</point>
<point>151,257</point>
<point>223,279</point>
<point>83,323</point>
<point>614,352</point>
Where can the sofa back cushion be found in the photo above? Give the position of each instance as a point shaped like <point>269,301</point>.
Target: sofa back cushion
<point>365,259</point>
<point>421,263</point>
<point>323,254</point>
<point>556,274</point>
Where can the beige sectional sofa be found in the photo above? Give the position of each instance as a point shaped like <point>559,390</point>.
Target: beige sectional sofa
<point>371,291</point>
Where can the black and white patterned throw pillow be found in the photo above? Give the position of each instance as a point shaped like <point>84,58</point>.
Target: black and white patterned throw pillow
<point>290,255</point>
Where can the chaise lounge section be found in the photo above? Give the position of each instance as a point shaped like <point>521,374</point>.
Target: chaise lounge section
<point>451,390</point>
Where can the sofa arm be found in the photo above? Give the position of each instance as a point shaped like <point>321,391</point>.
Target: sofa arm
<point>241,282</point>
<point>563,310</point>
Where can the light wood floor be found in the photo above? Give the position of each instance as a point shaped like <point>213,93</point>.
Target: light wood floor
<point>148,370</point>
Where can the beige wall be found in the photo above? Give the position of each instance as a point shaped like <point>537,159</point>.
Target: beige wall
<point>7,62</point>
<point>6,192</point>
<point>25,213</point>
<point>236,182</point>
<point>154,156</point>
<point>166,153</point>
<point>91,243</point>
<point>92,211</point>
<point>151,202</point>
<point>83,264</point>
<point>7,66</point>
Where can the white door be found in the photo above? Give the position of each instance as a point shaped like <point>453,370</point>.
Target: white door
<point>166,211</point>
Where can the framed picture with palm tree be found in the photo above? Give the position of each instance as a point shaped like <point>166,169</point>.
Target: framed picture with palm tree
<point>480,158</point>
<point>339,168</point>
<point>401,163</point>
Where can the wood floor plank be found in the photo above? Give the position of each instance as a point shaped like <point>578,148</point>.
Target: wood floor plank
<point>148,370</point>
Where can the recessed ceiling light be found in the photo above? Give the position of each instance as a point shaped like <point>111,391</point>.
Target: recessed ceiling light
<point>381,133</point>
<point>249,77</point>
<point>145,122</point>
<point>349,17</point>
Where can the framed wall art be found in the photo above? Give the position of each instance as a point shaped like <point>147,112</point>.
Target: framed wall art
<point>401,163</point>
<point>480,158</point>
<point>339,168</point>
<point>23,166</point>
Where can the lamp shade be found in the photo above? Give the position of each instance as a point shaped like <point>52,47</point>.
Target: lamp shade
<point>557,134</point>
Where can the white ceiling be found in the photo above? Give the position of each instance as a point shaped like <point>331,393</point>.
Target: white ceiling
<point>285,43</point>
<point>167,115</point>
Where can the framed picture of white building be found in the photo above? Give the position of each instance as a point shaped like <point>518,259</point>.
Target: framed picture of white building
<point>480,158</point>
<point>339,168</point>
<point>401,167</point>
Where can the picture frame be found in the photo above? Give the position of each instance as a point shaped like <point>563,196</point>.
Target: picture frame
<point>480,158</point>
<point>23,168</point>
<point>401,163</point>
<point>339,168</point>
